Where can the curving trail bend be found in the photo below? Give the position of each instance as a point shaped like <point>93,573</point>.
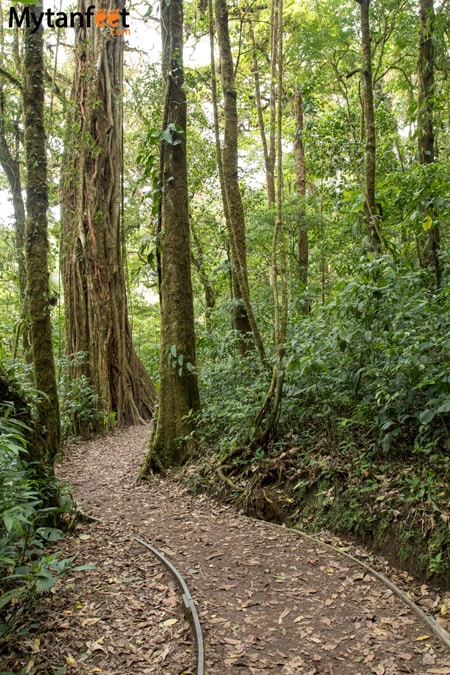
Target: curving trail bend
<point>268,601</point>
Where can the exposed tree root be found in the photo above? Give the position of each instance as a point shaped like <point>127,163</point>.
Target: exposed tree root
<point>220,472</point>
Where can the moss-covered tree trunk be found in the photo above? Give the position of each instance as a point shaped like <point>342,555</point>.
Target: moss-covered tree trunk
<point>370,209</point>
<point>234,206</point>
<point>300,184</point>
<point>425,124</point>
<point>47,441</point>
<point>240,318</point>
<point>425,71</point>
<point>11,167</point>
<point>92,242</point>
<point>10,143</point>
<point>178,393</point>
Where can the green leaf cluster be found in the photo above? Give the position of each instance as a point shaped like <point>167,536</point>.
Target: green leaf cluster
<point>26,570</point>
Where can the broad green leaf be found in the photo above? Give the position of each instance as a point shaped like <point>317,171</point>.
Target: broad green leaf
<point>50,533</point>
<point>9,522</point>
<point>444,407</point>
<point>14,594</point>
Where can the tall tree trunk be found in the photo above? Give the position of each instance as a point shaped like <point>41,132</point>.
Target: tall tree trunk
<point>198,262</point>
<point>233,198</point>
<point>178,394</point>
<point>241,321</point>
<point>47,442</point>
<point>274,44</point>
<point>300,183</point>
<point>266,419</point>
<point>11,167</point>
<point>268,414</point>
<point>268,160</point>
<point>425,124</point>
<point>370,209</point>
<point>92,242</point>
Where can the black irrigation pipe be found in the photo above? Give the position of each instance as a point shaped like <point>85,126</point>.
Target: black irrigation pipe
<point>439,632</point>
<point>188,603</point>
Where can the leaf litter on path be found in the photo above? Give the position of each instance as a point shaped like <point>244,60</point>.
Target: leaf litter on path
<point>267,599</point>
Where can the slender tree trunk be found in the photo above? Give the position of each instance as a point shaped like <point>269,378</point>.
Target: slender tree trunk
<point>198,262</point>
<point>268,414</point>
<point>268,160</point>
<point>178,395</point>
<point>425,124</point>
<point>274,44</point>
<point>47,443</point>
<point>234,206</point>
<point>300,182</point>
<point>425,135</point>
<point>241,321</point>
<point>92,243</point>
<point>370,210</point>
<point>11,167</point>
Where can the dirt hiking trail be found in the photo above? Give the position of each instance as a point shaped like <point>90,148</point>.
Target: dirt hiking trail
<point>268,600</point>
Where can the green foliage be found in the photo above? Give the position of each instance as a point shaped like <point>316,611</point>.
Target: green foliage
<point>25,570</point>
<point>78,401</point>
<point>232,391</point>
<point>9,304</point>
<point>376,357</point>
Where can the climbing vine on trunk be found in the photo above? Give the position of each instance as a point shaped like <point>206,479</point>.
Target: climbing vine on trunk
<point>98,332</point>
<point>171,442</point>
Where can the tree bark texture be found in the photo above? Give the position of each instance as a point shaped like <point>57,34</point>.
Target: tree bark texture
<point>269,161</point>
<point>36,238</point>
<point>178,394</point>
<point>300,183</point>
<point>425,122</point>
<point>274,43</point>
<point>425,134</point>
<point>233,197</point>
<point>240,319</point>
<point>370,210</point>
<point>92,242</point>
<point>11,167</point>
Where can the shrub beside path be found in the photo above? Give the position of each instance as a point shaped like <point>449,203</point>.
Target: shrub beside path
<point>268,600</point>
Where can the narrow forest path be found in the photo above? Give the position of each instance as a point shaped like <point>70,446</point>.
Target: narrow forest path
<point>268,600</point>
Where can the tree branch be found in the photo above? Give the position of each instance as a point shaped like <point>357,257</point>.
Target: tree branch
<point>11,78</point>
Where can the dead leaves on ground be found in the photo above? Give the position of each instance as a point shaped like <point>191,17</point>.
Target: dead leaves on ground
<point>267,600</point>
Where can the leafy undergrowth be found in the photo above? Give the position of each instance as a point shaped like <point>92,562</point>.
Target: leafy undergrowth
<point>362,441</point>
<point>32,511</point>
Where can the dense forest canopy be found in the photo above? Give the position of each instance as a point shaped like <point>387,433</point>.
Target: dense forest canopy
<point>235,218</point>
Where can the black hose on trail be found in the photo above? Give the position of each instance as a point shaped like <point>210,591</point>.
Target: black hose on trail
<point>442,635</point>
<point>188,603</point>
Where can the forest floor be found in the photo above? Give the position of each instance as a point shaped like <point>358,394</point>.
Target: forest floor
<point>268,600</point>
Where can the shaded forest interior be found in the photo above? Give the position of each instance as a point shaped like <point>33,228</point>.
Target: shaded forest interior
<point>244,239</point>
